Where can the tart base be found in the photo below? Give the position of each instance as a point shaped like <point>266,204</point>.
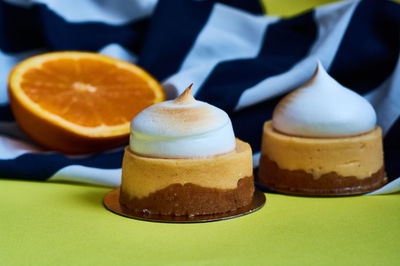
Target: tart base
<point>299,182</point>
<point>190,200</point>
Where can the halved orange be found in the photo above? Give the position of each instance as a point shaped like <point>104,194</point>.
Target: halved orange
<point>79,102</point>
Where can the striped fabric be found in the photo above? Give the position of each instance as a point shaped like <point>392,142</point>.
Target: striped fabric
<point>238,59</point>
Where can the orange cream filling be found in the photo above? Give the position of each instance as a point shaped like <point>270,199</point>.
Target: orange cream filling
<point>359,156</point>
<point>144,175</point>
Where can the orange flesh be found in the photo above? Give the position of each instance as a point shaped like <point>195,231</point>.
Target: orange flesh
<point>89,93</point>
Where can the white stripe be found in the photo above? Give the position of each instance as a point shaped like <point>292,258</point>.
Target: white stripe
<point>256,159</point>
<point>88,175</point>
<point>117,51</point>
<point>228,34</point>
<point>391,187</point>
<point>332,21</point>
<point>386,100</point>
<point>11,148</point>
<point>111,12</point>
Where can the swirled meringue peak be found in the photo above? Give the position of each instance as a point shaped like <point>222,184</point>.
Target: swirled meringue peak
<point>182,128</point>
<point>323,108</point>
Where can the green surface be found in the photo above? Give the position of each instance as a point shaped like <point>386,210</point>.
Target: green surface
<point>66,224</point>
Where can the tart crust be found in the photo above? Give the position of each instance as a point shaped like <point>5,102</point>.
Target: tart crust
<point>331,184</point>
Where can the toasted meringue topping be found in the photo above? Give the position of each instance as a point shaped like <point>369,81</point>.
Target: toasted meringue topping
<point>323,108</point>
<point>182,128</point>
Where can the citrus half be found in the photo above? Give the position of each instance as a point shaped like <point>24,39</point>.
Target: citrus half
<point>79,102</point>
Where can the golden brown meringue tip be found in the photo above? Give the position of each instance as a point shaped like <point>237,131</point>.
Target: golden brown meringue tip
<point>186,97</point>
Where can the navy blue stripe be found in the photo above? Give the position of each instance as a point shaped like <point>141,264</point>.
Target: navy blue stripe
<point>23,29</point>
<point>286,43</point>
<point>248,123</point>
<point>370,46</point>
<point>391,147</point>
<point>5,113</point>
<point>42,166</point>
<point>174,28</point>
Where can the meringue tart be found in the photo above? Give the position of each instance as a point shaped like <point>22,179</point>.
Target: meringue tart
<point>183,160</point>
<point>322,140</point>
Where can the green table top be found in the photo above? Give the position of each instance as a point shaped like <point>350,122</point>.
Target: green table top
<point>66,224</point>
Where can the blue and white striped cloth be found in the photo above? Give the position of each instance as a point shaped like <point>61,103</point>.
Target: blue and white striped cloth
<point>238,59</point>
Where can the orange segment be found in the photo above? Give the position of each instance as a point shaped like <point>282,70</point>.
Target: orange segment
<point>87,98</point>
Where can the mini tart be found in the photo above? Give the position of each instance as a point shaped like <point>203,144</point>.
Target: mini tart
<point>321,166</point>
<point>195,186</point>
